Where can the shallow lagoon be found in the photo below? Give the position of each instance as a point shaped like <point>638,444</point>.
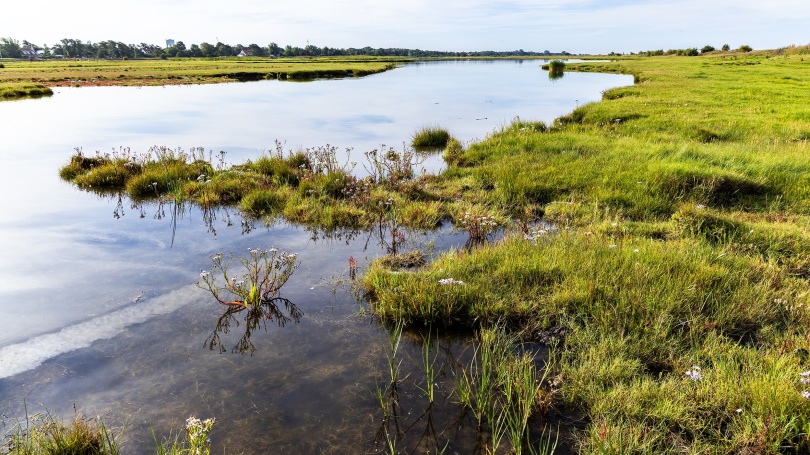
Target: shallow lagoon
<point>102,311</point>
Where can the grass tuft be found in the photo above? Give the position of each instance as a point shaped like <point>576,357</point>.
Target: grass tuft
<point>431,137</point>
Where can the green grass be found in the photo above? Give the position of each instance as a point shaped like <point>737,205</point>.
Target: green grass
<point>10,91</point>
<point>678,236</point>
<point>46,435</point>
<point>431,137</point>
<point>681,232</point>
<point>23,78</point>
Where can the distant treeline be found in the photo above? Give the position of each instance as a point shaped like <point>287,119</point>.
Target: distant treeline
<point>689,51</point>
<point>73,48</point>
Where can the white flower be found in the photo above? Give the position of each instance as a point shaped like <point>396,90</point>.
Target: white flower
<point>693,373</point>
<point>805,394</point>
<point>739,410</point>
<point>203,274</point>
<point>450,281</point>
<point>612,245</point>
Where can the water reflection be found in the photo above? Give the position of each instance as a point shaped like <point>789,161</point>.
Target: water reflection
<point>252,318</point>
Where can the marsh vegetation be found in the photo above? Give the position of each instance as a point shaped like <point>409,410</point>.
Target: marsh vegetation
<point>656,241</point>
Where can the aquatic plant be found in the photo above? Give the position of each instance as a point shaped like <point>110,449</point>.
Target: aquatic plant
<point>430,137</point>
<point>265,272</point>
<point>502,389</point>
<point>195,441</point>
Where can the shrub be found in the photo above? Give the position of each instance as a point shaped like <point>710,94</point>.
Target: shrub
<point>707,49</point>
<point>726,48</point>
<point>745,48</point>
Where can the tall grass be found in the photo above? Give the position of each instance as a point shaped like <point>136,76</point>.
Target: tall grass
<point>44,434</point>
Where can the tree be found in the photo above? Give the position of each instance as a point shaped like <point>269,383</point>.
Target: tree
<point>208,49</point>
<point>706,48</point>
<point>745,48</point>
<point>274,49</point>
<point>10,48</point>
<point>726,48</point>
<point>256,50</point>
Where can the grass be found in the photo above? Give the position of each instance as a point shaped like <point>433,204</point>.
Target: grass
<point>679,238</point>
<point>431,137</point>
<point>675,234</point>
<point>10,91</point>
<point>32,78</point>
<point>45,434</point>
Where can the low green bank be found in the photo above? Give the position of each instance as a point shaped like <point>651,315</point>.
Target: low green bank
<point>673,277</point>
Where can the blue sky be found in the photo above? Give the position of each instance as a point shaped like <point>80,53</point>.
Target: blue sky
<point>577,26</point>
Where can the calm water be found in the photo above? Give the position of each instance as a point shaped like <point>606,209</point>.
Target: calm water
<point>102,311</point>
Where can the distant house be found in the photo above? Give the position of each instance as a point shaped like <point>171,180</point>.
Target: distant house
<point>28,52</point>
<point>244,53</point>
<point>169,42</point>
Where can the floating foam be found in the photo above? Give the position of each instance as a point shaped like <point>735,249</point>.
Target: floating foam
<point>21,357</point>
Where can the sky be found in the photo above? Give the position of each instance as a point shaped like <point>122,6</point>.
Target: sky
<point>576,26</point>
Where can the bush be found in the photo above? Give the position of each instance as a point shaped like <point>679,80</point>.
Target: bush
<point>2,66</point>
<point>706,49</point>
<point>726,48</point>
<point>745,48</point>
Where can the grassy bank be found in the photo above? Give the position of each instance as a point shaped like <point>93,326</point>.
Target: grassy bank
<point>13,91</point>
<point>674,276</point>
<point>671,277</point>
<point>80,73</point>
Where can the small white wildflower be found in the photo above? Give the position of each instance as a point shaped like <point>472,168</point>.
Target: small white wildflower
<point>635,251</point>
<point>805,394</point>
<point>203,273</point>
<point>613,245</point>
<point>693,373</point>
<point>739,411</point>
<point>450,281</point>
<point>700,206</point>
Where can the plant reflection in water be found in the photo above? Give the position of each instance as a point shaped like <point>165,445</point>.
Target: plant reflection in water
<point>253,293</point>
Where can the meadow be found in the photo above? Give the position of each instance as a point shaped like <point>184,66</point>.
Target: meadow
<point>657,241</point>
<point>20,78</point>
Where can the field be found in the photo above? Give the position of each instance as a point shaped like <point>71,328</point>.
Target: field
<point>658,241</point>
<point>77,73</point>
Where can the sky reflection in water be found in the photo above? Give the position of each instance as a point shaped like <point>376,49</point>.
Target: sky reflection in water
<point>103,312</point>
